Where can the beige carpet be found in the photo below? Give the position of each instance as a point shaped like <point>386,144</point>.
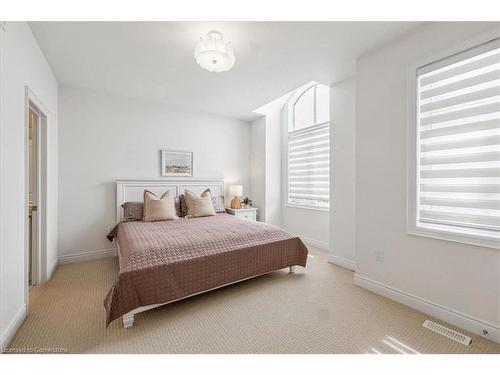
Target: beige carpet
<point>319,311</point>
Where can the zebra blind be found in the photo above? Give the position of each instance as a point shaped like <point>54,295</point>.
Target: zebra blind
<point>308,166</point>
<point>458,153</point>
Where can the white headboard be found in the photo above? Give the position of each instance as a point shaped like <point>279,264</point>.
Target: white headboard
<point>132,190</point>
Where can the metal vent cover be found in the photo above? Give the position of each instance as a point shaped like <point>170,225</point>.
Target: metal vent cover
<point>442,330</point>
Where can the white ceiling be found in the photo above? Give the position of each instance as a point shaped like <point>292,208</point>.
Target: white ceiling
<point>154,60</point>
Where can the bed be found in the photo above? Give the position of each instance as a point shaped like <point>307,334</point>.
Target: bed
<point>165,261</point>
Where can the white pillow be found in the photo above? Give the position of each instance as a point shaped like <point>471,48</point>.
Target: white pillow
<point>157,209</point>
<point>199,206</point>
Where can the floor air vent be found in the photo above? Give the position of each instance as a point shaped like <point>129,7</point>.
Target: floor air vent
<point>442,330</point>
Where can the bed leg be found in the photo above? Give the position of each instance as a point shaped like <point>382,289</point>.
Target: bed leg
<point>292,269</point>
<point>128,320</point>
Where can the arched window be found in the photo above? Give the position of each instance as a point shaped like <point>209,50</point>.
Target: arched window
<point>309,147</point>
<point>312,107</point>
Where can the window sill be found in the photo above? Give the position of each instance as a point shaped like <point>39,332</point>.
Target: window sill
<point>307,207</point>
<point>447,235</point>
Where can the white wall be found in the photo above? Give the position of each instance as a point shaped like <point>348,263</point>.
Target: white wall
<point>23,64</point>
<point>311,225</point>
<point>266,160</point>
<point>104,137</point>
<point>258,166</point>
<point>273,166</point>
<point>343,173</point>
<point>455,276</point>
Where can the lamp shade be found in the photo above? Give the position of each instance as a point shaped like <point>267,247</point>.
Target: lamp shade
<point>236,190</point>
<point>213,53</point>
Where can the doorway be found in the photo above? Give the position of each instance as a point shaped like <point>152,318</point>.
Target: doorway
<point>33,217</point>
<point>36,135</point>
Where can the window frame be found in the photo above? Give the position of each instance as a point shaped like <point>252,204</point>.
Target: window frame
<point>412,226</point>
<point>290,128</point>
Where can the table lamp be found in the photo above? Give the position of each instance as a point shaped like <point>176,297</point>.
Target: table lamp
<point>236,191</point>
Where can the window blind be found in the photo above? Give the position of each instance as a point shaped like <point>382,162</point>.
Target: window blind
<point>458,151</point>
<point>308,166</point>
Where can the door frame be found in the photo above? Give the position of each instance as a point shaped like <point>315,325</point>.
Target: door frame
<point>32,101</point>
<point>33,178</point>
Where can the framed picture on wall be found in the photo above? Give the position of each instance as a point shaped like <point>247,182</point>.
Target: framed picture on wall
<point>176,163</point>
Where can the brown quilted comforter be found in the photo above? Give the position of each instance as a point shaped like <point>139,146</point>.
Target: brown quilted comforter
<point>167,260</point>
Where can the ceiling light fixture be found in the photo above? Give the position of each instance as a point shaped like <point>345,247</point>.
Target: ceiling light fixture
<point>213,53</point>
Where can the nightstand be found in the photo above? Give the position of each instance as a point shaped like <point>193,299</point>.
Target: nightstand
<point>244,213</point>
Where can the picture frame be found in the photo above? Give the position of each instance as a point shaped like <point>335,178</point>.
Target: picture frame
<point>176,163</point>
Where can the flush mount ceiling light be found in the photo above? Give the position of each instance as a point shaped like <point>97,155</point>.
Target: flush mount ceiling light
<point>213,53</point>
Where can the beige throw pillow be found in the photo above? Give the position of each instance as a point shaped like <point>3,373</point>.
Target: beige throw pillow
<point>156,209</point>
<point>198,206</point>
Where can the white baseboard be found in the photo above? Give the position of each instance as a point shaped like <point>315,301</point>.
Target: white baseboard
<point>314,243</point>
<point>443,313</point>
<point>12,328</point>
<point>342,262</point>
<point>89,255</point>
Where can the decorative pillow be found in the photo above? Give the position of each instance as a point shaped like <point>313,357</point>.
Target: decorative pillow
<point>183,209</point>
<point>218,203</point>
<point>156,209</point>
<point>198,206</point>
<point>132,211</point>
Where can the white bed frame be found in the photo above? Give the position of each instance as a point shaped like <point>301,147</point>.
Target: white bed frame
<point>132,190</point>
